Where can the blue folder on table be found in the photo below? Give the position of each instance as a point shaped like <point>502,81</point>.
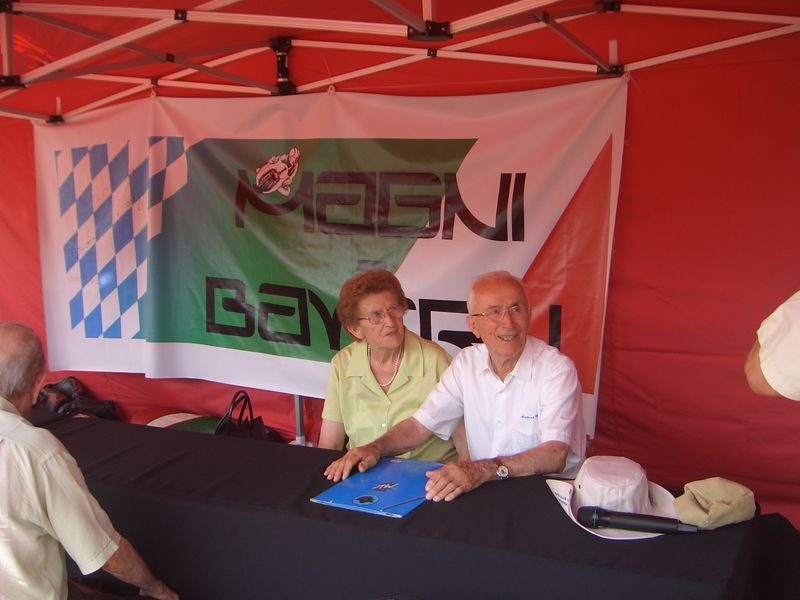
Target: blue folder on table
<point>392,488</point>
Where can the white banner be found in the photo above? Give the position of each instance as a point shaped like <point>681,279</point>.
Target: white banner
<point>208,238</point>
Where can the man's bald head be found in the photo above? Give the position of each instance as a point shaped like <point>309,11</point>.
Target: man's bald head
<point>21,361</point>
<point>487,280</point>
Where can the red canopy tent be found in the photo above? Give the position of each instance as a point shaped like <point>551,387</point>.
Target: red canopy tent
<point>706,240</point>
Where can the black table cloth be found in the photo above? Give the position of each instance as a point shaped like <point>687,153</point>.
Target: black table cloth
<point>221,518</point>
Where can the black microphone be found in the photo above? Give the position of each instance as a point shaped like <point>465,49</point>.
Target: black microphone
<point>595,517</point>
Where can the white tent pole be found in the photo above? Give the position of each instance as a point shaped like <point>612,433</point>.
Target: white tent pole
<point>196,85</point>
<point>220,61</point>
<point>112,11</point>
<point>746,39</point>
<point>518,60</point>
<point>203,14</point>
<point>219,87</point>
<point>360,73</point>
<point>388,29</point>
<point>152,56</point>
<point>260,45</point>
<point>379,48</point>
<point>234,79</point>
<point>613,52</point>
<point>213,63</point>
<point>110,44</point>
<point>6,43</point>
<point>502,35</point>
<point>56,65</point>
<point>709,14</point>
<point>429,10</point>
<point>131,36</point>
<point>27,116</point>
<point>405,50</point>
<point>171,77</point>
<point>108,100</point>
<point>299,421</point>
<point>444,53</point>
<point>401,13</point>
<point>96,11</point>
<point>420,54</point>
<point>556,27</point>
<point>497,14</point>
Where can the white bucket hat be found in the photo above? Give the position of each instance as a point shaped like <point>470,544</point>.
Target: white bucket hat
<point>613,483</point>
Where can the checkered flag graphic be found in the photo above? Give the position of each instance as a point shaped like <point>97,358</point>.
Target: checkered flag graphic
<point>111,197</point>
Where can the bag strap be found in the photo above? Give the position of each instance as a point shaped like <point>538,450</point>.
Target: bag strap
<point>244,398</point>
<point>240,397</point>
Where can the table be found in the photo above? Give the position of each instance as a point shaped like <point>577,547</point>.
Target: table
<point>223,518</point>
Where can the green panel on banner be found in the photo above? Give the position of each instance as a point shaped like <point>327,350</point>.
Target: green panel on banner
<point>253,250</point>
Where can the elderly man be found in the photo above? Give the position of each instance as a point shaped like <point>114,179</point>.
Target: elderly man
<point>518,397</point>
<point>45,507</point>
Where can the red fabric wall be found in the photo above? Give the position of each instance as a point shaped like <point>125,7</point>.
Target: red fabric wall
<point>706,246</point>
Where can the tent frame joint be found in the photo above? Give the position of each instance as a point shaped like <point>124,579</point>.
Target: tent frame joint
<point>435,31</point>
<point>11,81</point>
<point>7,6</point>
<point>181,14</point>
<point>281,46</point>
<point>613,70</point>
<point>55,119</point>
<point>605,6</point>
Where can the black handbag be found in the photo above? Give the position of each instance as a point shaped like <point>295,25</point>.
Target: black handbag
<point>245,426</point>
<point>68,396</point>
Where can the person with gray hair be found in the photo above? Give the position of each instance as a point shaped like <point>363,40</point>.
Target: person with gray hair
<point>45,506</point>
<point>519,398</point>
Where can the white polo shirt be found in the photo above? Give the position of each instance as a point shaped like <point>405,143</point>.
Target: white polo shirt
<point>45,508</point>
<point>779,338</point>
<point>539,401</point>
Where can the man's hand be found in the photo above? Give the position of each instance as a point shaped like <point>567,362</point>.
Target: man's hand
<point>160,592</point>
<point>404,436</point>
<point>458,478</point>
<point>127,565</point>
<point>363,457</point>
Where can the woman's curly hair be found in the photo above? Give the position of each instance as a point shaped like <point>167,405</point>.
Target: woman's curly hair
<point>364,284</point>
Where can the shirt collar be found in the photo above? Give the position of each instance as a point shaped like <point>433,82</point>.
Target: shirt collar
<point>6,406</point>
<point>524,367</point>
<point>358,365</point>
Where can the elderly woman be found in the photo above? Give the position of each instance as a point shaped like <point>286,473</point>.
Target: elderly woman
<point>385,374</point>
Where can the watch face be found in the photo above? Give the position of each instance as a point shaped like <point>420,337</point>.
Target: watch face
<point>502,472</point>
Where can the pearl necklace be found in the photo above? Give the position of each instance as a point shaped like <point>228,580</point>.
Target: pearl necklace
<point>396,365</point>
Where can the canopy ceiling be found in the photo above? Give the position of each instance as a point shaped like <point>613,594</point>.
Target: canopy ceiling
<point>62,59</point>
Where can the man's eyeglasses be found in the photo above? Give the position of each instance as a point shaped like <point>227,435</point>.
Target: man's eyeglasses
<point>376,317</point>
<point>495,314</point>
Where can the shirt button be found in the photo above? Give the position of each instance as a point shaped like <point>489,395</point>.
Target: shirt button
<point>383,425</point>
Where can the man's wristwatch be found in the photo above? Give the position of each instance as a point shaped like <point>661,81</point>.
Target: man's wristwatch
<point>502,470</point>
